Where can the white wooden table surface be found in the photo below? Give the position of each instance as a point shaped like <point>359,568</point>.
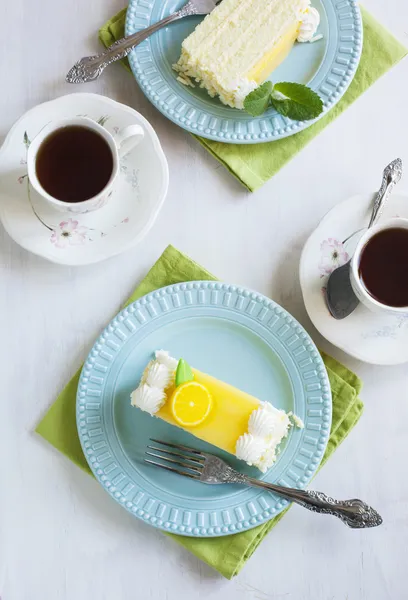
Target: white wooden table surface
<point>61,536</point>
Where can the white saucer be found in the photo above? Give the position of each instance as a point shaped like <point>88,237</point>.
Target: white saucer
<point>82,239</point>
<point>366,336</point>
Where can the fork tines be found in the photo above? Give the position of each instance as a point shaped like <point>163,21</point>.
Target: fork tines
<point>191,460</point>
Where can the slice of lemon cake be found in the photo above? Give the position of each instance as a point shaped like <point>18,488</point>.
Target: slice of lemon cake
<point>238,45</point>
<point>213,411</point>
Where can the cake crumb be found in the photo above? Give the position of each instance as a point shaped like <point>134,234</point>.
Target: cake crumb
<point>316,38</point>
<point>296,420</point>
<point>185,80</point>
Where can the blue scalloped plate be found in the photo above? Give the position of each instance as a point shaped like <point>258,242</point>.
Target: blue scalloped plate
<point>327,66</point>
<point>234,334</point>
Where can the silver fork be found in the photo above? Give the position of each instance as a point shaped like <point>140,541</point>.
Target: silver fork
<point>91,67</point>
<point>207,468</point>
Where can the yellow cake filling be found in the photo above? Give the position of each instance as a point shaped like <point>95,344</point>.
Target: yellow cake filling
<point>227,420</point>
<point>274,57</point>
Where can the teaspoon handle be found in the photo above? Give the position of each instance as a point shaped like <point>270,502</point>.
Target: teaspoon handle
<point>392,174</point>
<point>90,68</point>
<point>121,48</point>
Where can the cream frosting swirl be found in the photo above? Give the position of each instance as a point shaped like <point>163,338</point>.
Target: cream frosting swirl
<point>164,358</point>
<point>158,375</point>
<point>250,449</point>
<point>149,399</point>
<point>267,427</point>
<point>268,421</point>
<point>308,26</point>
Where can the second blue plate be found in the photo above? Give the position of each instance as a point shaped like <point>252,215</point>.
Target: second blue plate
<point>231,333</point>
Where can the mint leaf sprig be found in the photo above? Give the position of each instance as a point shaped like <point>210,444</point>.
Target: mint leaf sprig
<point>293,100</point>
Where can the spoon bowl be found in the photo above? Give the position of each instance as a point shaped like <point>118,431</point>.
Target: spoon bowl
<point>340,297</point>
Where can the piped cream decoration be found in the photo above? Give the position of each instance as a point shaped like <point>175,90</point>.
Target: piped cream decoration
<point>250,449</point>
<point>267,427</point>
<point>148,399</point>
<point>150,396</point>
<point>309,25</point>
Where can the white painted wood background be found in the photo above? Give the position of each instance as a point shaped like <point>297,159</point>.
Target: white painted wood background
<point>61,536</point>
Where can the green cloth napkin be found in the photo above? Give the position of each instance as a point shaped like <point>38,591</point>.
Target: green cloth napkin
<point>255,164</point>
<point>226,554</point>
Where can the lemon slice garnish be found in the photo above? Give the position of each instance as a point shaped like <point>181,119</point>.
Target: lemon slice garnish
<point>191,403</point>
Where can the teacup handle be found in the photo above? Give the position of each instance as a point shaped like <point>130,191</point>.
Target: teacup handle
<point>128,138</point>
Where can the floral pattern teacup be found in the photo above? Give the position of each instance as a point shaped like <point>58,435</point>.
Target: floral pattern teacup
<point>120,145</point>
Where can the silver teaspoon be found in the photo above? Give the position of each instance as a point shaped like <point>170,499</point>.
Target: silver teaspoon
<point>340,297</point>
<point>91,67</point>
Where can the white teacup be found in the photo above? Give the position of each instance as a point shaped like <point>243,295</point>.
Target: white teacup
<point>357,285</point>
<point>120,145</point>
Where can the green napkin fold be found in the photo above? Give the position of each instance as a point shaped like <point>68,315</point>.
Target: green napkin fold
<point>226,554</point>
<point>254,164</point>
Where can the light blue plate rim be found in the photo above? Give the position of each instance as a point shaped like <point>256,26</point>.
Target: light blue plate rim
<point>211,120</point>
<point>299,356</point>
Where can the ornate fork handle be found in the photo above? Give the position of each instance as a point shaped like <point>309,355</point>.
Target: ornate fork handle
<point>354,513</point>
<point>90,68</point>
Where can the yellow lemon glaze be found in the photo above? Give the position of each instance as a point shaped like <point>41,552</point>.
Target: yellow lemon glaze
<point>229,415</point>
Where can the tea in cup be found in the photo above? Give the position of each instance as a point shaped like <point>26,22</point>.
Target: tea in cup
<point>379,268</point>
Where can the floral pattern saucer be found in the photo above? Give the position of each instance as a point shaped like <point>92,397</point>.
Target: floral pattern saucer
<point>365,335</point>
<point>87,238</point>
